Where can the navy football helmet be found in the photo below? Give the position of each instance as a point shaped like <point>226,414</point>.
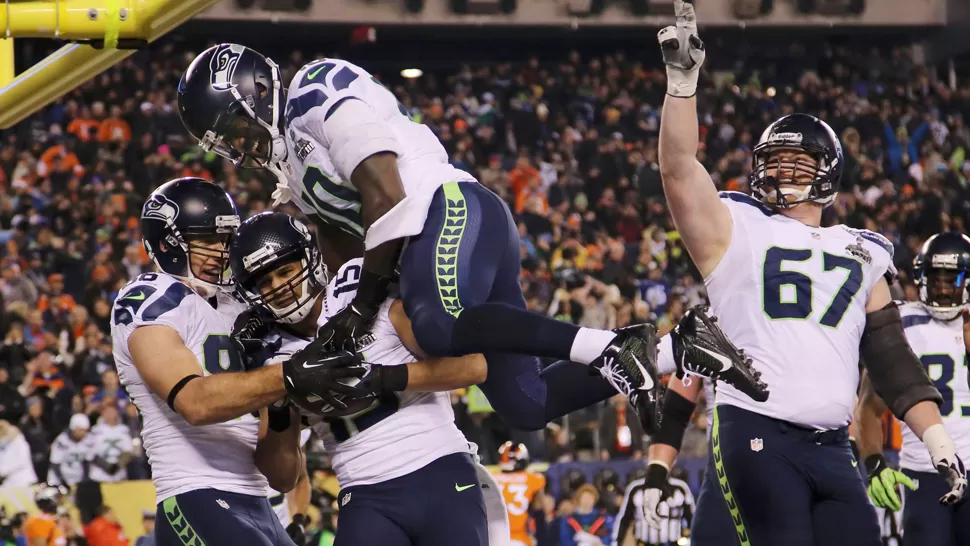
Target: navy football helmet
<point>820,178</point>
<point>180,220</point>
<point>277,266</point>
<point>940,272</point>
<point>232,99</point>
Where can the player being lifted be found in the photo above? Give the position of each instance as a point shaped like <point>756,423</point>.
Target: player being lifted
<point>387,447</point>
<point>170,332</point>
<point>351,158</point>
<point>804,301</point>
<point>936,327</point>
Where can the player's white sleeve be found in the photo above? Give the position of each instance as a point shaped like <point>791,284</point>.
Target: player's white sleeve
<point>16,468</point>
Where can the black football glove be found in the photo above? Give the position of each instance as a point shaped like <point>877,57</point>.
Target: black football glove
<point>296,530</point>
<point>312,378</point>
<point>380,379</point>
<point>344,329</point>
<point>248,332</point>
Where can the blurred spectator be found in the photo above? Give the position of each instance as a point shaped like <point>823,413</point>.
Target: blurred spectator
<point>111,447</point>
<point>105,530</point>
<point>16,469</point>
<point>148,523</point>
<point>587,526</point>
<point>69,454</point>
<point>621,436</point>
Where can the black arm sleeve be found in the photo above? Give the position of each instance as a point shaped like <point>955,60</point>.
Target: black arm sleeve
<point>896,373</point>
<point>677,412</point>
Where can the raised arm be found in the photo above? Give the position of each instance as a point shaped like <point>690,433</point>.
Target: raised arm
<point>173,373</point>
<point>702,220</point>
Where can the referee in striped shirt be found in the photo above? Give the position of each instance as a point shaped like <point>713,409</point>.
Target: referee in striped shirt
<point>675,514</point>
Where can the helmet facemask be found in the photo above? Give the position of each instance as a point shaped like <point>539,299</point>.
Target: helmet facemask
<point>943,292</point>
<point>286,286</point>
<point>206,251</point>
<point>785,175</point>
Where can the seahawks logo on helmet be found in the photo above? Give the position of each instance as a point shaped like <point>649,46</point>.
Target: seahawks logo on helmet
<point>300,228</point>
<point>223,66</point>
<point>159,207</point>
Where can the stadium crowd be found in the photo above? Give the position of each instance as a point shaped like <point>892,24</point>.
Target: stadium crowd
<point>570,143</point>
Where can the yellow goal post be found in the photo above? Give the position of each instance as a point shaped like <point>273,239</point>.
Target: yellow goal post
<point>103,31</point>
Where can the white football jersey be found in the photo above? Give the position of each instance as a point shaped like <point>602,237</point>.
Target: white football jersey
<point>184,457</point>
<point>398,434</point>
<point>109,442</point>
<point>939,346</point>
<point>793,297</point>
<point>317,187</point>
<point>70,457</point>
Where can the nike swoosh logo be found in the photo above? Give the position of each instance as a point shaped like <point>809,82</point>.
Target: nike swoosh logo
<point>725,361</point>
<point>461,488</point>
<point>313,74</point>
<point>137,297</point>
<point>855,463</point>
<point>647,380</point>
<point>321,362</point>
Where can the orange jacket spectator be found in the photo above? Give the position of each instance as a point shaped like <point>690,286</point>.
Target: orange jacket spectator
<point>521,175</point>
<point>44,526</point>
<point>113,130</point>
<point>105,530</point>
<point>84,128</point>
<point>69,161</point>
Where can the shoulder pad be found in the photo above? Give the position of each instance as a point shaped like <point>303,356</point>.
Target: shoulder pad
<point>147,297</point>
<point>322,83</point>
<point>745,199</point>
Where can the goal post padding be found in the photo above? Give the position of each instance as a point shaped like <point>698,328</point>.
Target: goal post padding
<point>103,21</point>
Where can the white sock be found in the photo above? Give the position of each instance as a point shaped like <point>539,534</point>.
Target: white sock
<point>590,344</point>
<point>665,356</point>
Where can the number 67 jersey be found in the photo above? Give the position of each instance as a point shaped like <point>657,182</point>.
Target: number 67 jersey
<point>793,297</point>
<point>400,432</point>
<point>185,457</point>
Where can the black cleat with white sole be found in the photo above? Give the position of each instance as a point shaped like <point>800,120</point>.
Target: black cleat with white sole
<point>629,363</point>
<point>701,348</point>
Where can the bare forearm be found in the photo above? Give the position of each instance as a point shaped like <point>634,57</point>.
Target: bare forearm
<point>868,419</point>
<point>922,416</point>
<point>279,457</point>
<point>381,188</point>
<point>445,374</point>
<point>662,453</point>
<point>678,139</point>
<point>298,500</point>
<point>222,397</point>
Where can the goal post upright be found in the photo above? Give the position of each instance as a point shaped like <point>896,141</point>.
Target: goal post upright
<point>106,22</point>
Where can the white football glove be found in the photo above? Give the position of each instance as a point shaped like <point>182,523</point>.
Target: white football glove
<point>683,51</point>
<point>655,491</point>
<point>943,454</point>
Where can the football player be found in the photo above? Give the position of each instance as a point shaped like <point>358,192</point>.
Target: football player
<point>391,445</point>
<point>936,327</point>
<point>348,154</point>
<point>805,302</point>
<point>170,333</point>
<point>522,490</point>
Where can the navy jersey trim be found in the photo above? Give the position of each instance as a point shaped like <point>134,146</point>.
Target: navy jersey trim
<point>171,299</point>
<point>745,199</point>
<point>915,320</point>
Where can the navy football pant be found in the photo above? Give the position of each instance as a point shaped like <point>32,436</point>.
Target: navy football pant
<point>926,521</point>
<point>784,484</point>
<point>712,523</point>
<point>209,517</point>
<point>439,505</point>
<point>468,255</point>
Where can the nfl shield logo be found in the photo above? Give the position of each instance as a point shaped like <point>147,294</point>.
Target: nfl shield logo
<point>757,444</point>
<point>345,500</point>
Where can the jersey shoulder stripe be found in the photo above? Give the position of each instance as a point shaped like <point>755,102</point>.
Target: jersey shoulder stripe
<point>746,199</point>
<point>169,300</point>
<point>147,297</point>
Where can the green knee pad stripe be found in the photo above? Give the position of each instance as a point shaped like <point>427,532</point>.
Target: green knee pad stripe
<point>179,524</point>
<point>725,487</point>
<point>446,249</point>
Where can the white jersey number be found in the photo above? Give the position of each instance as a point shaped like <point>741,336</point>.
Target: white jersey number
<point>788,294</point>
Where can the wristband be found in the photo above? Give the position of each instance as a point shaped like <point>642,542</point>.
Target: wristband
<point>875,463</point>
<point>372,289</point>
<point>394,378</point>
<point>278,418</point>
<point>299,519</point>
<point>656,475</point>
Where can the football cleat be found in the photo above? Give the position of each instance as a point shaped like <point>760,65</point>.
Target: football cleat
<point>629,363</point>
<point>701,348</point>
